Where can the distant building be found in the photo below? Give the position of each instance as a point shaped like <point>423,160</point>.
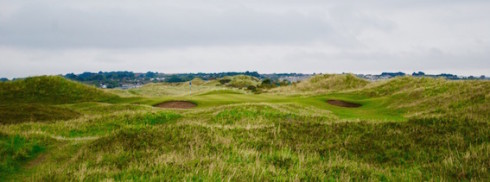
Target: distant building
<point>294,78</point>
<point>129,86</point>
<point>390,74</point>
<point>418,74</point>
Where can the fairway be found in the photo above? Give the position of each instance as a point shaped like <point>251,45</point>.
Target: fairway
<point>371,109</point>
<point>225,133</point>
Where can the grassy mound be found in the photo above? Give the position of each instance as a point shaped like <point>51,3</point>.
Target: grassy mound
<point>49,90</point>
<point>199,86</point>
<point>198,81</point>
<point>435,97</point>
<point>239,81</point>
<point>283,149</point>
<point>408,83</point>
<point>263,137</point>
<point>325,83</point>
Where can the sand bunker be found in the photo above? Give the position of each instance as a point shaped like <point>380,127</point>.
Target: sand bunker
<point>343,103</point>
<point>176,104</point>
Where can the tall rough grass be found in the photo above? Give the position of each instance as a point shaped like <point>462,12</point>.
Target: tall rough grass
<point>435,97</point>
<point>324,83</point>
<point>275,146</point>
<point>49,90</point>
<point>245,137</point>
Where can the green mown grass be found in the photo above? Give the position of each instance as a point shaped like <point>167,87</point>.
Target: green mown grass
<point>407,129</point>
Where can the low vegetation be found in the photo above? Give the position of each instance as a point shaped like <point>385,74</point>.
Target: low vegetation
<point>49,90</point>
<point>16,113</point>
<point>324,83</point>
<point>240,81</point>
<point>405,129</point>
<point>435,97</point>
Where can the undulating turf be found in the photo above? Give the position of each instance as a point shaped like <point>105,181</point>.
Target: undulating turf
<point>407,129</point>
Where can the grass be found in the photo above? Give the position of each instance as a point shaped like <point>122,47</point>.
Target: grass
<point>16,151</point>
<point>16,113</point>
<point>434,97</point>
<point>50,90</point>
<point>324,83</point>
<point>407,129</point>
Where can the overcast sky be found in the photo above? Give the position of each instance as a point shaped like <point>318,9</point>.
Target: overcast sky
<point>369,36</point>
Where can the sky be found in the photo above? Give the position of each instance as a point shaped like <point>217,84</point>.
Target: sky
<point>39,37</point>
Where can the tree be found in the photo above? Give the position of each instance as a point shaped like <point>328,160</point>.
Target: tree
<point>418,74</point>
<point>71,76</point>
<point>267,83</point>
<point>224,81</point>
<point>150,74</point>
<point>174,79</point>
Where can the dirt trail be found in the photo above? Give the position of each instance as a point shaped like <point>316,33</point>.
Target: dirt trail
<point>343,103</point>
<point>36,161</point>
<point>176,104</point>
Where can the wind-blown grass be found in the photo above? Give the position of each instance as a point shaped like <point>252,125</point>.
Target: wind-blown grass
<point>49,90</point>
<point>16,151</point>
<point>16,113</point>
<point>323,83</point>
<point>422,97</point>
<point>407,129</point>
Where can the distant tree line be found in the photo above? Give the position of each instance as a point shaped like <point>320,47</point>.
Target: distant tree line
<point>115,79</point>
<point>119,78</point>
<point>112,79</point>
<point>386,75</point>
<point>450,76</point>
<point>392,74</point>
<point>182,77</point>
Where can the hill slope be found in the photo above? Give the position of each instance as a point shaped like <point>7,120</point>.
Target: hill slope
<point>239,81</point>
<point>434,97</point>
<point>260,137</point>
<point>49,90</point>
<point>17,113</point>
<point>325,83</point>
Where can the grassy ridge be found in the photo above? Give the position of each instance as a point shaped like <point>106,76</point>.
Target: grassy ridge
<point>49,90</point>
<point>34,99</point>
<point>421,97</point>
<point>407,129</point>
<point>412,96</point>
<point>168,89</point>
<point>324,83</point>
<point>199,86</point>
<point>267,142</point>
<point>241,81</point>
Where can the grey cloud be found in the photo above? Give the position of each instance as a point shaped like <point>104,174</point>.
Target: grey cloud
<point>48,26</point>
<point>59,36</point>
<point>135,24</point>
